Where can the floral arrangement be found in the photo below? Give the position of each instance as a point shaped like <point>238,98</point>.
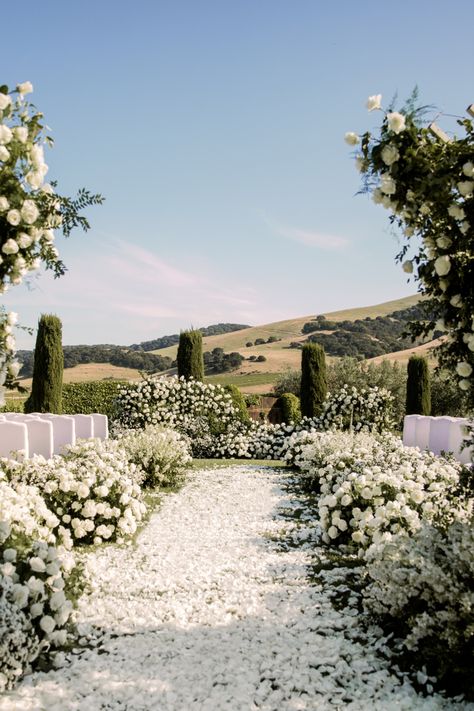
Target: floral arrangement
<point>426,180</point>
<point>161,454</point>
<point>30,209</point>
<point>36,585</point>
<point>373,488</point>
<point>361,410</point>
<point>422,588</point>
<point>93,490</point>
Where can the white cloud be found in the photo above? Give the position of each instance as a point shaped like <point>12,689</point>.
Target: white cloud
<point>311,238</point>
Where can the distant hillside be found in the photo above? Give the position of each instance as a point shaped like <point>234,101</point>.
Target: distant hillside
<point>166,341</point>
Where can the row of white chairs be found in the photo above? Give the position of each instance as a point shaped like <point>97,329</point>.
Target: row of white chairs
<point>438,434</point>
<point>22,436</point>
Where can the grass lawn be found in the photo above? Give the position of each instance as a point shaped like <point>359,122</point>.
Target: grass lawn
<point>220,463</point>
<point>243,380</point>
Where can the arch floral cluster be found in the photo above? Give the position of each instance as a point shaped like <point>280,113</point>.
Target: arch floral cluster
<point>30,209</point>
<point>426,181</point>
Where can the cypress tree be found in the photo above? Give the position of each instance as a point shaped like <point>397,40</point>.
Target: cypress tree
<point>418,401</point>
<point>46,388</point>
<point>313,379</point>
<point>189,358</point>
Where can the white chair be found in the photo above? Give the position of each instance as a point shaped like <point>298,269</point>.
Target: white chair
<point>40,437</point>
<point>409,430</point>
<point>13,438</point>
<point>101,425</point>
<point>422,431</point>
<point>64,431</point>
<point>439,434</point>
<point>457,433</point>
<point>84,426</point>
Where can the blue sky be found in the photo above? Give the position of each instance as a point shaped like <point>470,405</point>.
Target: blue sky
<point>214,128</point>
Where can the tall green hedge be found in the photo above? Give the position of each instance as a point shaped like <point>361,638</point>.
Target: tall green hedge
<point>189,358</point>
<point>289,406</point>
<point>48,367</point>
<point>238,401</point>
<point>313,379</point>
<point>418,401</point>
<point>94,396</point>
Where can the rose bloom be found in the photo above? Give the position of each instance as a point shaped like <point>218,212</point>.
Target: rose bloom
<point>25,88</point>
<point>456,212</point>
<point>35,179</point>
<point>29,212</point>
<point>24,240</point>
<point>12,318</point>
<point>390,155</point>
<point>396,122</point>
<point>4,204</point>
<point>374,102</point>
<point>468,169</point>
<point>464,384</point>
<point>464,369</point>
<point>442,265</point>
<point>4,152</point>
<point>444,242</point>
<point>351,138</point>
<point>21,133</point>
<point>13,217</point>
<point>5,101</point>
<point>10,247</point>
<point>6,134</point>
<point>387,184</point>
<point>408,266</point>
<point>465,187</point>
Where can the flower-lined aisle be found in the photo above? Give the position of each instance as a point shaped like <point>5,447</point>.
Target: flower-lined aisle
<point>213,609</point>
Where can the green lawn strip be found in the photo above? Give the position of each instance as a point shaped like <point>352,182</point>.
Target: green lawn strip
<point>223,463</point>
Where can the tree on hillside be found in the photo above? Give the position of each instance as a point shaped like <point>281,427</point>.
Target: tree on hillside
<point>47,382</point>
<point>189,358</point>
<point>313,379</point>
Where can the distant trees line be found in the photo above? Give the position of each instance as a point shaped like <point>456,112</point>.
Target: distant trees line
<point>365,338</point>
<point>166,341</point>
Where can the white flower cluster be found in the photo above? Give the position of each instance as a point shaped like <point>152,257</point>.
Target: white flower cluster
<point>9,367</point>
<point>361,410</point>
<point>426,582</point>
<point>176,403</point>
<point>373,488</point>
<point>162,454</point>
<point>35,580</point>
<point>29,211</point>
<point>93,490</point>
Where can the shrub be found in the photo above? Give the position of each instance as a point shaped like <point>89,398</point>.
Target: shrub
<point>189,358</point>
<point>36,586</point>
<point>261,359</point>
<point>289,406</point>
<point>93,490</point>
<point>368,410</point>
<point>259,341</point>
<point>288,382</point>
<point>13,405</point>
<point>249,344</point>
<point>94,396</point>
<point>313,379</point>
<point>418,400</point>
<point>48,367</point>
<point>238,402</point>
<point>422,588</point>
<point>161,454</point>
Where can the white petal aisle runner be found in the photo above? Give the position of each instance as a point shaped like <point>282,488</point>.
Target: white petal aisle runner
<point>208,612</point>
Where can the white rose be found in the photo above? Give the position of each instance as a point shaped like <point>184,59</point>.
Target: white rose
<point>10,247</point>
<point>374,102</point>
<point>13,217</point>
<point>464,227</point>
<point>14,368</point>
<point>456,212</point>
<point>9,554</point>
<point>408,266</point>
<point>468,169</point>
<point>25,88</point>
<point>47,624</point>
<point>396,122</point>
<point>464,384</point>
<point>6,134</point>
<point>464,369</point>
<point>5,101</point>
<point>442,265</point>
<point>21,133</point>
<point>36,609</point>
<point>466,187</point>
<point>444,242</point>
<point>387,185</point>
<point>20,594</point>
<point>35,179</point>
<point>4,153</point>
<point>390,154</point>
<point>351,138</point>
<point>456,301</point>
<point>12,318</point>
<point>4,204</point>
<point>24,240</point>
<point>29,212</point>
<point>37,564</point>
